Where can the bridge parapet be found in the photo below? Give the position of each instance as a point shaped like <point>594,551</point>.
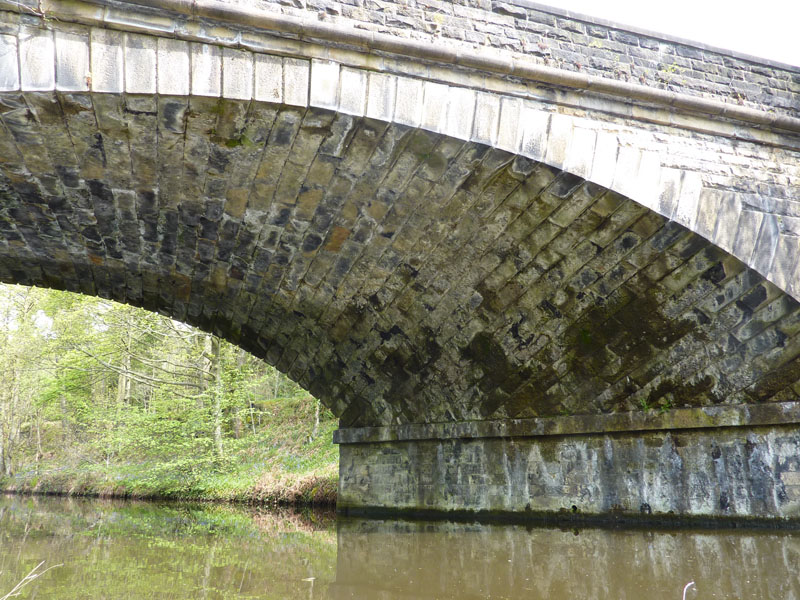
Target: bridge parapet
<point>572,42</point>
<point>511,28</point>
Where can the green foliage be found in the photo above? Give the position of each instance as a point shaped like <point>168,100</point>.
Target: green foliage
<point>109,399</point>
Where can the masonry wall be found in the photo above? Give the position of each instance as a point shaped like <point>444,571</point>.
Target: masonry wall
<point>728,472</point>
<point>566,42</point>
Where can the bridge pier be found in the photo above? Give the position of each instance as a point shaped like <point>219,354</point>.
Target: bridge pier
<point>609,467</point>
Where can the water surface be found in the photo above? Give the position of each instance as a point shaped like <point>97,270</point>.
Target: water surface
<point>118,550</point>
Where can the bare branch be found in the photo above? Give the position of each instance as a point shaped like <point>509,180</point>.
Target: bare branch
<point>27,579</point>
<point>138,376</point>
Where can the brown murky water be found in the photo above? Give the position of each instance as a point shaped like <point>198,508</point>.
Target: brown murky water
<point>122,550</point>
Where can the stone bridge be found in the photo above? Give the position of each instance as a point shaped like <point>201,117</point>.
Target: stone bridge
<point>533,262</point>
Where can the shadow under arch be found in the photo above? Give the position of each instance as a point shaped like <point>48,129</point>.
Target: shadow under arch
<point>410,250</point>
<point>401,275</point>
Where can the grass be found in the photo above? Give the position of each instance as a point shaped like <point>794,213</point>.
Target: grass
<point>281,463</point>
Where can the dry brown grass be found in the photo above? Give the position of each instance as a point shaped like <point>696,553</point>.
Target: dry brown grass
<point>318,487</point>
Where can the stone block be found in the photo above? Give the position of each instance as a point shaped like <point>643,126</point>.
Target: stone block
<point>725,230</point>
<point>669,191</point>
<point>710,201</point>
<point>408,105</point>
<point>353,93</point>
<point>604,164</point>
<point>71,11</point>
<point>9,64</point>
<point>766,244</point>
<point>206,70</point>
<point>508,132</point>
<point>581,153</point>
<point>625,173</point>
<point>268,78</point>
<point>381,90</point>
<point>140,55</point>
<point>126,19</point>
<point>747,229</point>
<point>533,127</point>
<point>36,59</point>
<point>106,61</point>
<point>559,138</point>
<point>487,118</point>
<point>648,180</point>
<point>435,98</point>
<point>324,84</point>
<point>786,257</point>
<point>296,81</point>
<point>688,205</point>
<point>174,67</point>
<point>72,62</point>
<point>460,113</point>
<point>237,74</point>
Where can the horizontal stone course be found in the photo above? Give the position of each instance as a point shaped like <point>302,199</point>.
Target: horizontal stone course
<point>675,419</point>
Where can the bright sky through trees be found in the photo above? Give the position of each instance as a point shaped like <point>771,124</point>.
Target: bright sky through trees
<point>766,29</point>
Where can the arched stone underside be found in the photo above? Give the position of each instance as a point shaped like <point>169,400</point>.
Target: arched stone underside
<point>411,248</point>
<point>401,275</point>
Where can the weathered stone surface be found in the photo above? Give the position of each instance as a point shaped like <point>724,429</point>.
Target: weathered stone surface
<point>555,38</point>
<point>413,243</point>
<point>439,280</point>
<point>720,473</point>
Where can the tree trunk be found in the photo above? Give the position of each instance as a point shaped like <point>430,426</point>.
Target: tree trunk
<point>315,431</point>
<point>38,439</point>
<point>236,422</point>
<point>217,395</point>
<point>11,450</point>
<point>2,448</point>
<point>208,368</point>
<point>252,416</point>
<point>236,418</point>
<point>123,381</point>
<point>5,448</point>
<point>64,418</point>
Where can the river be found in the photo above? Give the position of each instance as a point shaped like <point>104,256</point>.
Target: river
<point>114,550</point>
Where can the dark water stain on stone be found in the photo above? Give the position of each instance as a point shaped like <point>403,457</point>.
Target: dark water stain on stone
<point>172,116</point>
<point>683,393</point>
<point>501,375</point>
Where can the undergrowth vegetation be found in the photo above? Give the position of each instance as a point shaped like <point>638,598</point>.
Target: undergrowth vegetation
<point>103,399</point>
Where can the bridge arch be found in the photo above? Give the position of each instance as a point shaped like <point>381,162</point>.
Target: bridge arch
<point>414,245</point>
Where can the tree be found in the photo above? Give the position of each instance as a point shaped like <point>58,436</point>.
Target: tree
<point>22,341</point>
<point>107,383</point>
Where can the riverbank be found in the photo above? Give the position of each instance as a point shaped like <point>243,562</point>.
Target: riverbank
<point>317,488</point>
<point>290,460</point>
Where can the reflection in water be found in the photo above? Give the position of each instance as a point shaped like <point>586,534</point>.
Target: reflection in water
<point>126,550</point>
<point>420,560</point>
<point>121,550</point>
